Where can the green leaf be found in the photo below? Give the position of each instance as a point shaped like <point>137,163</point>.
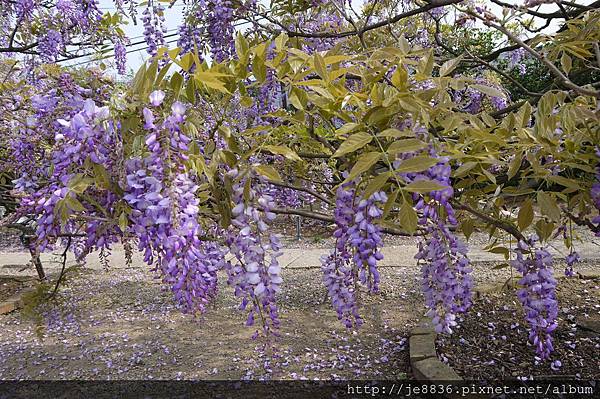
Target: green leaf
<point>423,186</point>
<point>416,164</point>
<point>364,162</point>
<point>101,176</point>
<point>489,175</point>
<point>259,69</point>
<point>269,172</point>
<point>283,150</point>
<point>490,91</point>
<point>162,73</point>
<point>515,165</point>
<point>320,67</point>
<point>376,183</point>
<point>467,227</point>
<point>524,115</point>
<point>173,53</point>
<point>246,101</point>
<point>281,41</point>
<point>464,168</point>
<point>347,128</point>
<point>176,82</point>
<point>544,229</point>
<point>563,181</point>
<point>395,133</point>
<point>548,206</point>
<point>186,61</point>
<point>408,218</point>
<point>241,45</point>
<point>425,66</point>
<point>408,145</point>
<point>150,75</point>
<point>211,80</point>
<point>525,217</point>
<point>449,66</point>
<point>74,204</point>
<point>298,98</point>
<point>500,250</point>
<point>389,204</point>
<point>566,63</point>
<point>400,78</point>
<point>353,143</point>
<point>78,183</point>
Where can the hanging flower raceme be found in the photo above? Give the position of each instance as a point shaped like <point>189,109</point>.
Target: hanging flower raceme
<point>165,211</point>
<point>365,239</point>
<point>153,19</point>
<point>538,295</point>
<point>256,276</point>
<point>356,252</point>
<point>337,267</point>
<point>447,281</point>
<point>87,137</point>
<point>595,194</point>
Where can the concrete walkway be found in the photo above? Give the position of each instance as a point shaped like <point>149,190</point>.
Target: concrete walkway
<point>12,263</point>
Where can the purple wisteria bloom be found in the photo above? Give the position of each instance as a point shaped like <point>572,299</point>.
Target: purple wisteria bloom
<point>157,97</point>
<point>538,295</point>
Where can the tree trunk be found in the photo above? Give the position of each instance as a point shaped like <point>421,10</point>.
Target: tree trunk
<point>35,258</point>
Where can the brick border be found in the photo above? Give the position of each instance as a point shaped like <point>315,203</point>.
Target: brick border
<point>14,302</point>
<point>424,362</point>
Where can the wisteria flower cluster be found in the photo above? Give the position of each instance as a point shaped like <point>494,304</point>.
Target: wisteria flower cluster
<point>538,295</point>
<point>256,276</point>
<point>595,194</point>
<point>87,137</point>
<point>165,212</point>
<point>153,19</point>
<point>447,281</point>
<point>356,253</point>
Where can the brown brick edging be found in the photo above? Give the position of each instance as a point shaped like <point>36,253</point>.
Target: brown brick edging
<point>424,362</point>
<point>14,302</point>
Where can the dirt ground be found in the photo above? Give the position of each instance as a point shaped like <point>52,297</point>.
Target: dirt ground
<point>120,325</point>
<point>491,343</point>
<point>10,286</point>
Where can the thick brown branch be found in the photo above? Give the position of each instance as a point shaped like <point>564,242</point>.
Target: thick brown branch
<point>326,218</point>
<point>510,229</point>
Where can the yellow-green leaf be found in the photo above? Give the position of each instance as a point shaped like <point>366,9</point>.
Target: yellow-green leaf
<point>347,128</point>
<point>408,218</point>
<point>395,133</point>
<point>416,164</point>
<point>548,206</point>
<point>515,165</point>
<point>450,65</point>
<point>525,217</point>
<point>490,91</point>
<point>364,162</point>
<point>320,67</point>
<point>408,145</point>
<point>353,143</point>
<point>123,221</point>
<point>283,150</point>
<point>268,171</point>
<point>423,186</point>
<point>376,183</point>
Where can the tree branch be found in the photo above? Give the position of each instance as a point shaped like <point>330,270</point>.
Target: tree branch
<point>512,230</point>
